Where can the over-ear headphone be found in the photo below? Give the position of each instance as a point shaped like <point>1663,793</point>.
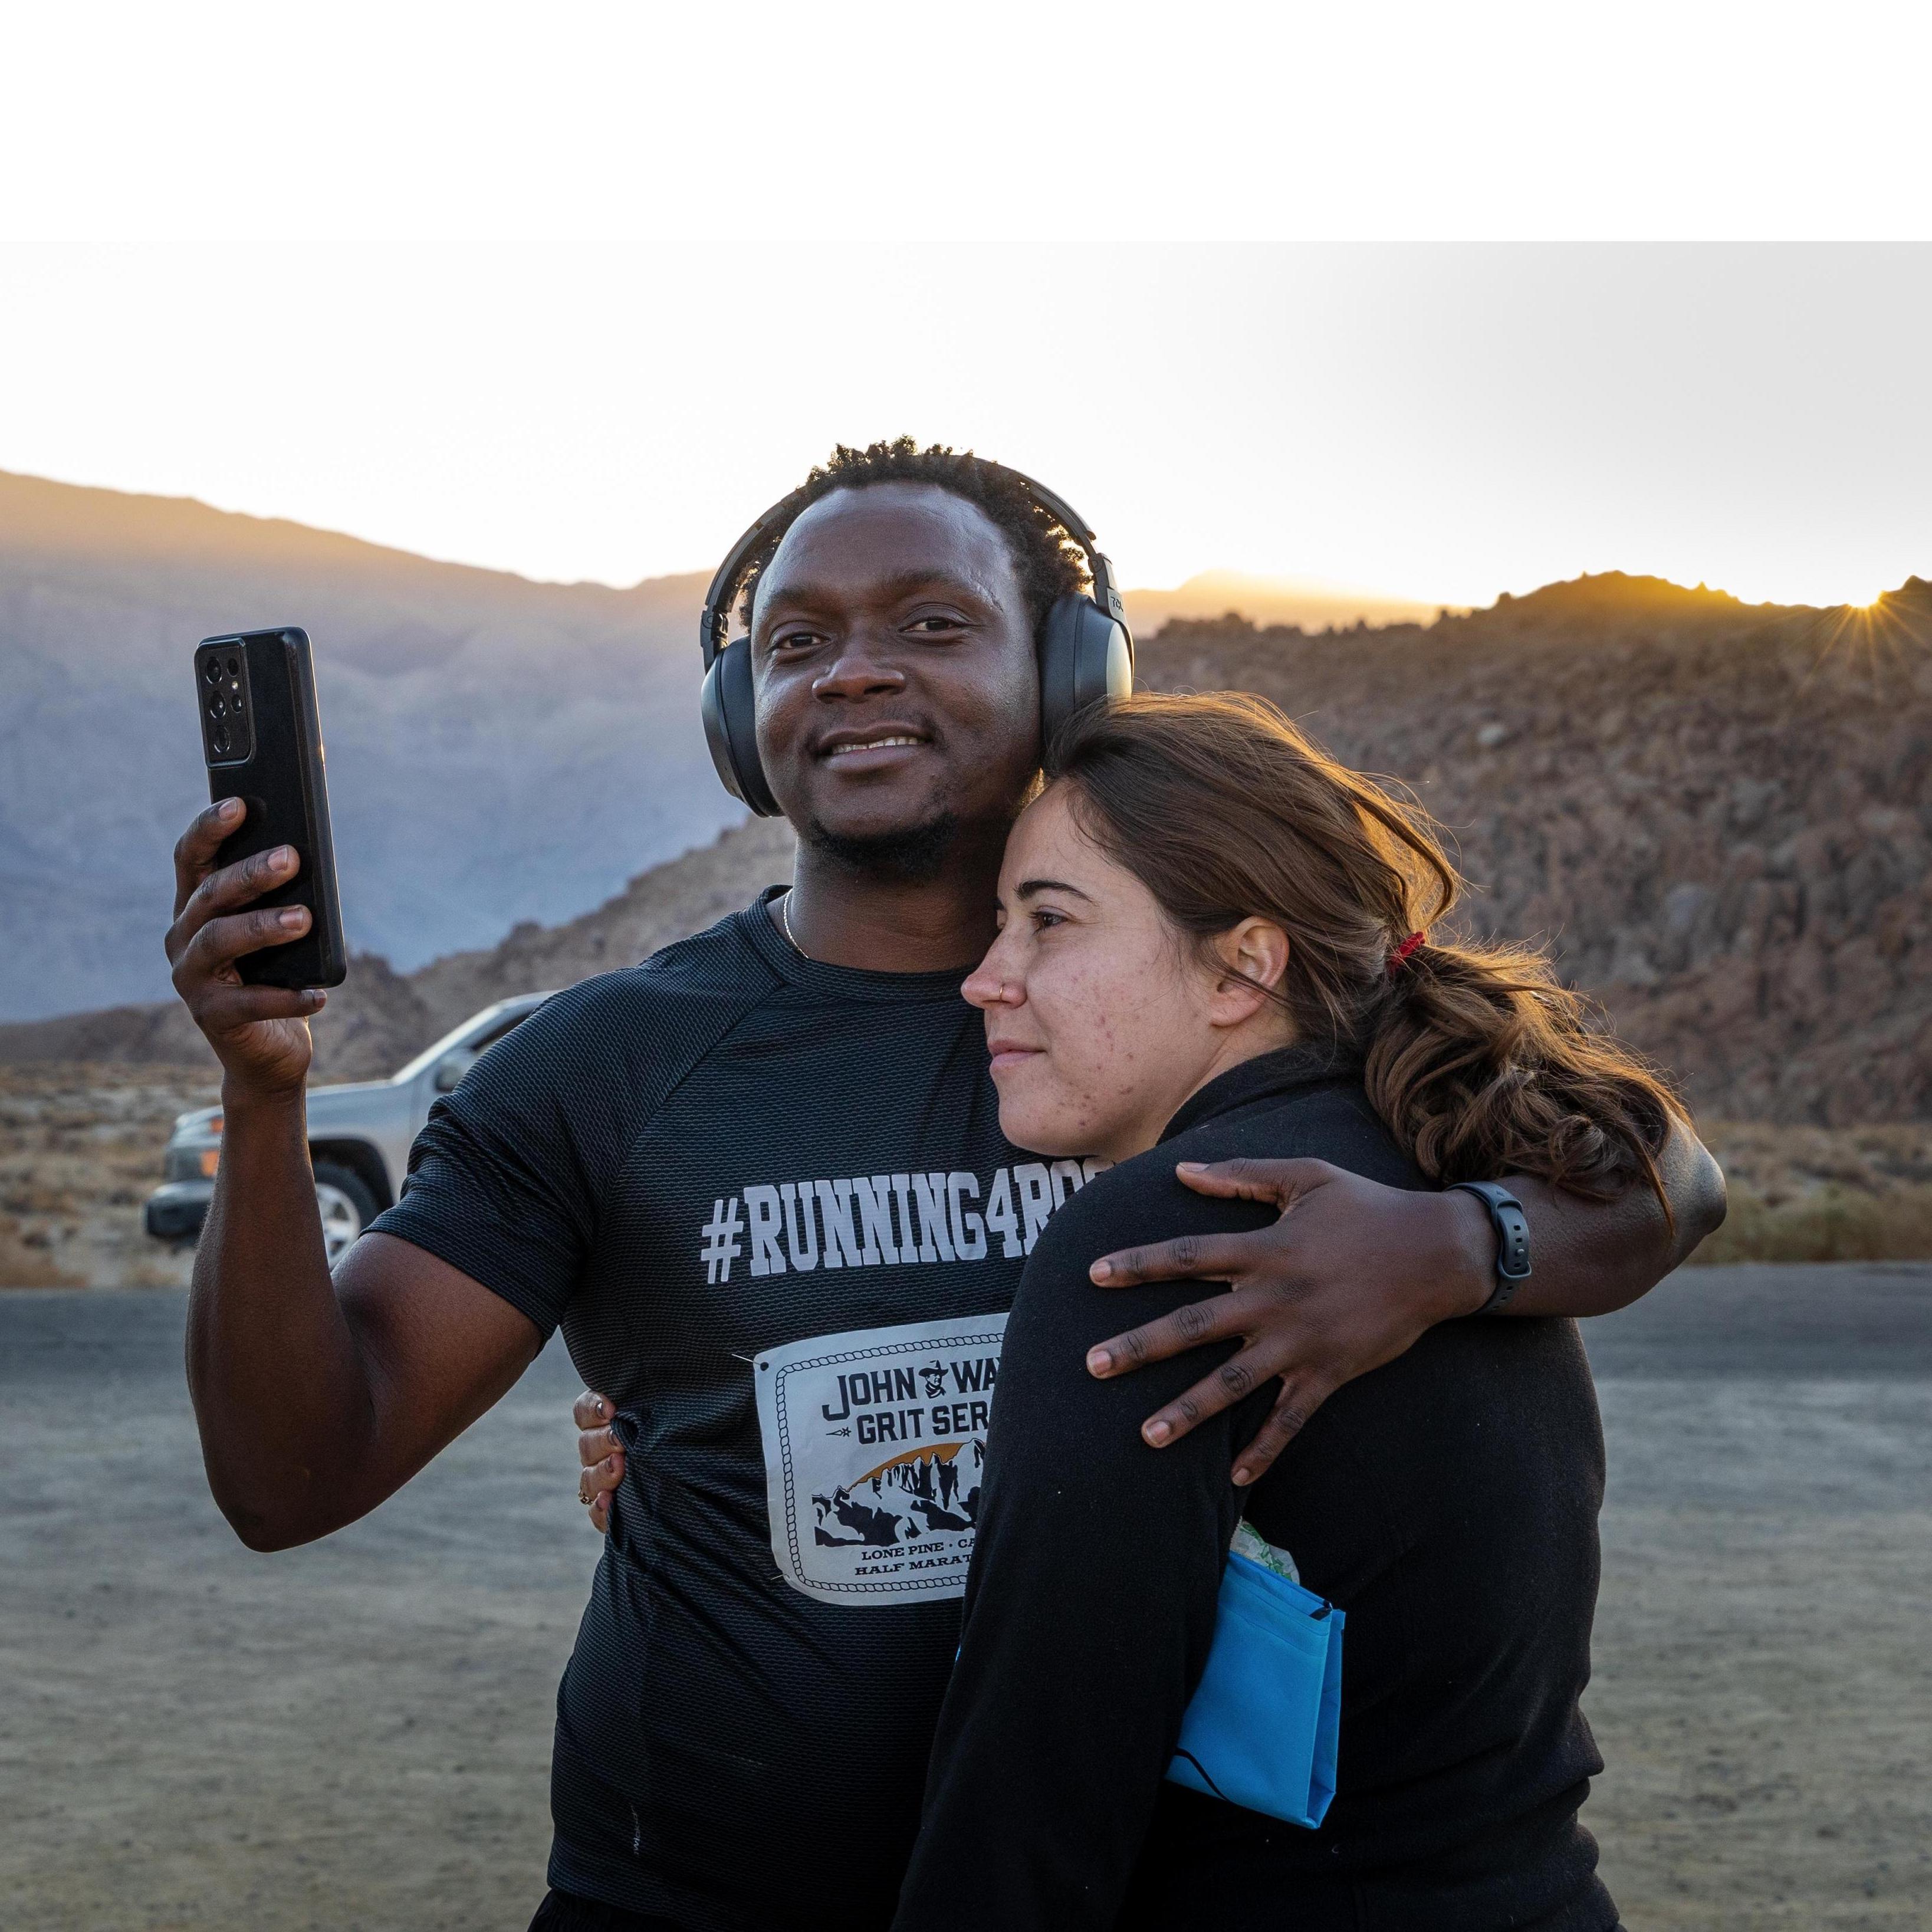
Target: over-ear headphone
<point>1086,651</point>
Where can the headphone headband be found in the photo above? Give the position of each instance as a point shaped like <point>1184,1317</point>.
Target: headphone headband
<point>714,624</point>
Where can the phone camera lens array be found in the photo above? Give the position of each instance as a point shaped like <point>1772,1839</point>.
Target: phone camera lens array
<point>226,708</point>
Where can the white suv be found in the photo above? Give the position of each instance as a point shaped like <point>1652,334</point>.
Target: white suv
<point>358,1136</point>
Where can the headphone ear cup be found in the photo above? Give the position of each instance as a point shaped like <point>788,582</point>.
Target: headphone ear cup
<point>1084,655</point>
<point>1108,668</point>
<point>729,710</point>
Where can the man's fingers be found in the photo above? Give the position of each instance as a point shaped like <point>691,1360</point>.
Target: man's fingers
<point>196,848</point>
<point>1187,1258</point>
<point>1281,1182</point>
<point>590,1408</point>
<point>601,1478</point>
<point>223,941</point>
<point>1235,1381</point>
<point>1215,1320</point>
<point>224,1009</point>
<point>237,885</point>
<point>227,890</point>
<point>1299,1400</point>
<point>602,1454</point>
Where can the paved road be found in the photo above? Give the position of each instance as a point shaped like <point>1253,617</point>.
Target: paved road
<point>355,1734</point>
<point>1871,1322</point>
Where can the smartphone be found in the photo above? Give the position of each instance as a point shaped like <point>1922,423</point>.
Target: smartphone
<point>261,733</point>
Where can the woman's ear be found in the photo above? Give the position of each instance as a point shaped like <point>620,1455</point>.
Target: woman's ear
<point>1254,956</point>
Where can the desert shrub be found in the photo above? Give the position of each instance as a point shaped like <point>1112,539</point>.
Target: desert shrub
<point>24,1266</point>
<point>1834,1224</point>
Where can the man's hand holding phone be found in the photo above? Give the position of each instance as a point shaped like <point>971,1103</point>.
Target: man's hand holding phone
<point>399,1351</point>
<point>259,1034</point>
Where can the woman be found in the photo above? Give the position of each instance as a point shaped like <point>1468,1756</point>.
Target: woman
<point>1256,972</point>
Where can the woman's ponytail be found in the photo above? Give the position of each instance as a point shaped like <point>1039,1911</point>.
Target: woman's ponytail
<point>1480,1062</point>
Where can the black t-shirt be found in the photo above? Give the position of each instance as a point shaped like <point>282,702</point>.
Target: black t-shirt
<point>1447,1501</point>
<point>770,1203</point>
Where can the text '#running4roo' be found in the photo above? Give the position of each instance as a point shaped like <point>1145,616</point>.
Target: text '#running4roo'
<point>887,1220</point>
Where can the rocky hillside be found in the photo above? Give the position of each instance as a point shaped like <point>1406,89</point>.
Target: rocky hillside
<point>1715,815</point>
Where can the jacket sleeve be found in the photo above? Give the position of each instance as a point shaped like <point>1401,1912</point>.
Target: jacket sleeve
<point>1090,1603</point>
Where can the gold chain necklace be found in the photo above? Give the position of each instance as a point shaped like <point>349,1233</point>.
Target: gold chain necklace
<point>784,919</point>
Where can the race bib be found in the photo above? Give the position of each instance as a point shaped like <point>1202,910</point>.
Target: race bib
<point>875,1442</point>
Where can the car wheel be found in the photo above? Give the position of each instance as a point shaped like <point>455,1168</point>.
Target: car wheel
<point>346,1206</point>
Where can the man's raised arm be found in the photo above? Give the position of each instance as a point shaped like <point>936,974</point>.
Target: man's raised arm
<point>1354,1272</point>
<point>316,1398</point>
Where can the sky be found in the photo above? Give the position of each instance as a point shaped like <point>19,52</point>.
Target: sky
<point>577,298</point>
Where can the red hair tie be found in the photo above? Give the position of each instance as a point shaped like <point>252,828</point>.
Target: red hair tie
<point>1398,958</point>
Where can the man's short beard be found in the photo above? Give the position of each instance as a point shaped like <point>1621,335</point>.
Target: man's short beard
<point>912,854</point>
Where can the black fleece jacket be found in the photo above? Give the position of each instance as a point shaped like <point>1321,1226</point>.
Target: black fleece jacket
<point>1447,1501</point>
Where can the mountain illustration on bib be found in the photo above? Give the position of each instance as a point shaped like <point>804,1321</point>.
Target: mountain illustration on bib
<point>875,1443</point>
<point>915,1494</point>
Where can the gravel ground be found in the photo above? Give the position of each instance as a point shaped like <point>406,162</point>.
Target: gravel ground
<point>355,1735</point>
<point>81,1148</point>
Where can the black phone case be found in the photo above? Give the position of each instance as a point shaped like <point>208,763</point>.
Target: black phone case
<point>261,735</point>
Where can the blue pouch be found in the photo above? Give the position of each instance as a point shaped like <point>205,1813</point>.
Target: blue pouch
<point>1261,1730</point>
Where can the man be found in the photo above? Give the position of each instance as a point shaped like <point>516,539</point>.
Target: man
<point>763,1172</point>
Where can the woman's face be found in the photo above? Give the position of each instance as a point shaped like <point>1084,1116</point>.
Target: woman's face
<point>1101,1018</point>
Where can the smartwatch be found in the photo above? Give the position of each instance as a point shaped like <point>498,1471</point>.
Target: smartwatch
<point>1512,1227</point>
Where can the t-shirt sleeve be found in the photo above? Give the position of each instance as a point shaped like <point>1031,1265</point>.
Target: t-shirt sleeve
<point>1090,1603</point>
<point>506,1179</point>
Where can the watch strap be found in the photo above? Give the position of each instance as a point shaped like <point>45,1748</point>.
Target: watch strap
<point>1512,1229</point>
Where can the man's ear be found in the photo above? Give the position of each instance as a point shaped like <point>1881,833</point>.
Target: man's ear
<point>1254,954</point>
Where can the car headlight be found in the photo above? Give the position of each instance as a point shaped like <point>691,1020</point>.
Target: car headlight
<point>191,1163</point>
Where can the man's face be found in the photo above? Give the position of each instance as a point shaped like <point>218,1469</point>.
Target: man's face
<point>892,651</point>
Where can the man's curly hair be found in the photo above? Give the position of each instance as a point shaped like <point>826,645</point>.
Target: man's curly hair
<point>1049,563</point>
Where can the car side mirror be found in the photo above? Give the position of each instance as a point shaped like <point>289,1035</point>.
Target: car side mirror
<point>451,1069</point>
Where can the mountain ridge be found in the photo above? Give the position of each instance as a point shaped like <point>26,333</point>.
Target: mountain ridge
<point>448,694</point>
<point>1719,815</point>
